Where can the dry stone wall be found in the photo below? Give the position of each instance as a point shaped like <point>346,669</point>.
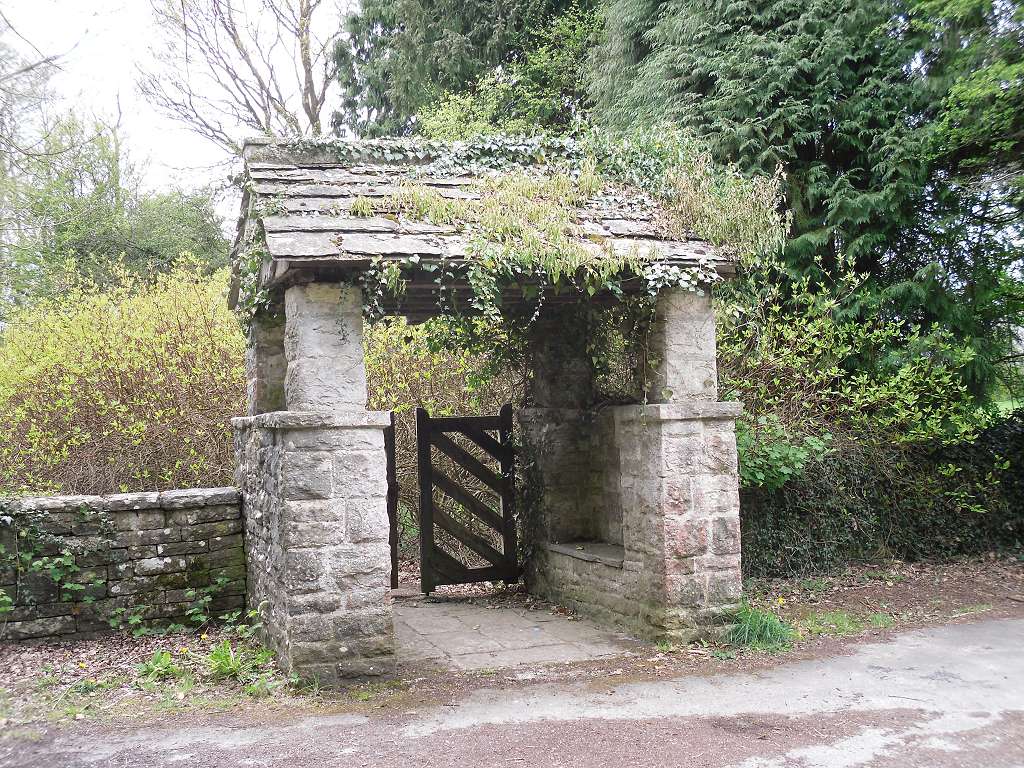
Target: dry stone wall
<point>116,557</point>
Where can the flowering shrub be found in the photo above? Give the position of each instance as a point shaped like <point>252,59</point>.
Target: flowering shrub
<point>125,389</point>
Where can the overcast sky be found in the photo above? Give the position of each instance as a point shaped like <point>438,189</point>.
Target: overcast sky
<point>104,42</point>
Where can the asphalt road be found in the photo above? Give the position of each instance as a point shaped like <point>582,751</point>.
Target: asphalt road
<point>945,696</point>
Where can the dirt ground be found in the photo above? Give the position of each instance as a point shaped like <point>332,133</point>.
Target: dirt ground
<point>99,680</point>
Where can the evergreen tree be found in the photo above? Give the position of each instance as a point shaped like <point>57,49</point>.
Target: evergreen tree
<point>875,109</point>
<point>816,86</point>
<point>397,55</point>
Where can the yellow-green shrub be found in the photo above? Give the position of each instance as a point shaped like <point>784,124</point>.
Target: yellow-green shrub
<point>125,389</point>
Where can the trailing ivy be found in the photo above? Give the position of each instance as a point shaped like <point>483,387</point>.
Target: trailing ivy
<point>28,548</point>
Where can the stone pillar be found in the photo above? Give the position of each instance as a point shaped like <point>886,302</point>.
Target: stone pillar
<point>681,346</point>
<point>694,494</point>
<point>660,479</point>
<point>314,490</point>
<point>265,363</point>
<point>323,344</point>
<point>563,376</point>
<point>319,567</point>
<point>554,430</point>
<point>683,513</point>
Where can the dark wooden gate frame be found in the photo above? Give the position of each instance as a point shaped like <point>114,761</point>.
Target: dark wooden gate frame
<point>437,567</point>
<point>389,451</point>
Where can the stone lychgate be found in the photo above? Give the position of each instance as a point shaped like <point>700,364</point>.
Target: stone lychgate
<point>638,520</point>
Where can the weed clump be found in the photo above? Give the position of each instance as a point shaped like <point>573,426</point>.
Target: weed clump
<point>760,630</point>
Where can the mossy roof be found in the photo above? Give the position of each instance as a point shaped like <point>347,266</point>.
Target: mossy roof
<point>298,198</point>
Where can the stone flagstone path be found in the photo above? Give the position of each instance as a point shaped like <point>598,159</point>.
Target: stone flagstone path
<point>461,635</point>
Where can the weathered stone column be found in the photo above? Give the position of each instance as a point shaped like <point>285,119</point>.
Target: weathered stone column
<point>553,429</point>
<point>265,363</point>
<point>319,566</point>
<point>690,476</point>
<point>681,492</point>
<point>323,344</point>
<point>682,345</point>
<point>315,498</point>
<point>563,376</point>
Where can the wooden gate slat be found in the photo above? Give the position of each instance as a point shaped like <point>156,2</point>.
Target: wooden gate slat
<point>468,500</point>
<point>489,444</point>
<point>460,423</point>
<point>392,479</point>
<point>467,461</point>
<point>508,491</point>
<point>427,582</point>
<point>460,574</point>
<point>447,566</point>
<point>474,541</point>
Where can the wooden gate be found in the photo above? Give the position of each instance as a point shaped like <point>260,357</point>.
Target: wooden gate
<point>467,527</point>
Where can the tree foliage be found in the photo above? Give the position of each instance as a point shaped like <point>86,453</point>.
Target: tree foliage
<point>78,200</point>
<point>395,57</point>
<point>543,89</point>
<point>875,111</point>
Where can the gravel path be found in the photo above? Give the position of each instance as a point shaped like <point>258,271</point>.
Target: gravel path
<point>943,696</point>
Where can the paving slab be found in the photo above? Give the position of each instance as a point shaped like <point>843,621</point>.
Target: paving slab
<point>459,634</point>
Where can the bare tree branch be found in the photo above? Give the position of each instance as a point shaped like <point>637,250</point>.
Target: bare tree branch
<point>228,68</point>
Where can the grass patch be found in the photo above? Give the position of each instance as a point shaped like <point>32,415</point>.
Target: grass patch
<point>814,585</point>
<point>760,630</point>
<point>967,610</point>
<point>881,620</point>
<point>832,623</point>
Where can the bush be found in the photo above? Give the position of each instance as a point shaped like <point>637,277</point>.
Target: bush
<point>876,499</point>
<point>126,389</point>
<point>859,438</point>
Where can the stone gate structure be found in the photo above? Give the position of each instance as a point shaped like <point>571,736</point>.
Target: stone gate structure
<point>638,523</point>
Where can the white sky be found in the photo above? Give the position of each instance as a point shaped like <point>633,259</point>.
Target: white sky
<point>104,41</point>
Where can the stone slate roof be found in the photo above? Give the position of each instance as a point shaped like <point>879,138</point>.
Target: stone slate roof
<point>298,196</point>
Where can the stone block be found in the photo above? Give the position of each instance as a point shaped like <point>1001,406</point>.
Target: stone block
<point>198,498</point>
<point>725,534</point>
<point>182,548</point>
<point>48,627</point>
<point>314,511</point>
<point>373,597</point>
<point>360,474</point>
<point>310,628</point>
<point>213,514</point>
<point>307,476</point>
<point>159,565</point>
<point>685,537</point>
<point>302,534</point>
<point>330,601</point>
<point>723,587</point>
<point>139,521</point>
<point>303,570</point>
<point>322,439</point>
<point>367,520</point>
<point>120,502</point>
<point>218,543</point>
<point>150,537</point>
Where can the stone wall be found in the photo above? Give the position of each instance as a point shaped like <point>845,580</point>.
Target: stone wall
<point>134,554</point>
<point>315,496</point>
<point>638,524</point>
